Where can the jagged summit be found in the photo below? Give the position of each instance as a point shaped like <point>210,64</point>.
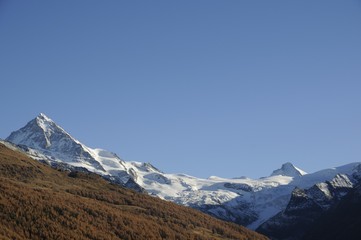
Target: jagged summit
<point>288,169</point>
<point>45,136</point>
<point>45,140</point>
<point>44,117</point>
<point>41,133</point>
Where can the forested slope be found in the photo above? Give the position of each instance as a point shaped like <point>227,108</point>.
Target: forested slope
<point>38,202</point>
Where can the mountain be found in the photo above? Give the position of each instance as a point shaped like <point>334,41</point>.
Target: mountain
<point>288,169</point>
<point>246,201</point>
<point>44,140</point>
<point>341,222</point>
<point>305,207</point>
<point>38,202</point>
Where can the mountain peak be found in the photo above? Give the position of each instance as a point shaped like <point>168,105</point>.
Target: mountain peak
<point>38,133</point>
<point>44,135</point>
<point>42,116</point>
<point>46,124</point>
<point>288,169</point>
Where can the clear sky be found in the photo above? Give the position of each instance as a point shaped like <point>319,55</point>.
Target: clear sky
<point>226,88</point>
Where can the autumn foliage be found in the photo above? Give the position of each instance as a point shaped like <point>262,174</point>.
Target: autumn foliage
<point>38,202</point>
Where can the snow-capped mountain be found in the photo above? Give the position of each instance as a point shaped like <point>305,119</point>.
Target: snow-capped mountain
<point>305,207</point>
<point>246,201</point>
<point>288,169</point>
<point>45,140</point>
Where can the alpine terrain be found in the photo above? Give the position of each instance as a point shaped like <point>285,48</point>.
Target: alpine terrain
<point>39,202</point>
<point>266,204</point>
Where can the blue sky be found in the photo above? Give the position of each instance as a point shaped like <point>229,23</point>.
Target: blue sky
<point>225,88</point>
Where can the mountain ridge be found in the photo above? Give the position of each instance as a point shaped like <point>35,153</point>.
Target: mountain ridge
<point>39,202</point>
<point>245,201</point>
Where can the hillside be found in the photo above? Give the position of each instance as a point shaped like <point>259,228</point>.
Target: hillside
<point>38,202</point>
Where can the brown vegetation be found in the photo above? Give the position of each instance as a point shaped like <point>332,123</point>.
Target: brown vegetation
<point>37,202</point>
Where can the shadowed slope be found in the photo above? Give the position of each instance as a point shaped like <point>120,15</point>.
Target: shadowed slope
<point>341,222</point>
<point>37,202</point>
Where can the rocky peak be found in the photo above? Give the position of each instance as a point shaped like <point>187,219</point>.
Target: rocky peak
<point>288,169</point>
<point>44,135</point>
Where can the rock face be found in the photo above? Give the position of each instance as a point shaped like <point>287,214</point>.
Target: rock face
<point>341,222</point>
<point>305,207</point>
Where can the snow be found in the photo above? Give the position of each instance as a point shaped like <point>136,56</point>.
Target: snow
<point>262,197</point>
<point>288,169</point>
<point>324,188</point>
